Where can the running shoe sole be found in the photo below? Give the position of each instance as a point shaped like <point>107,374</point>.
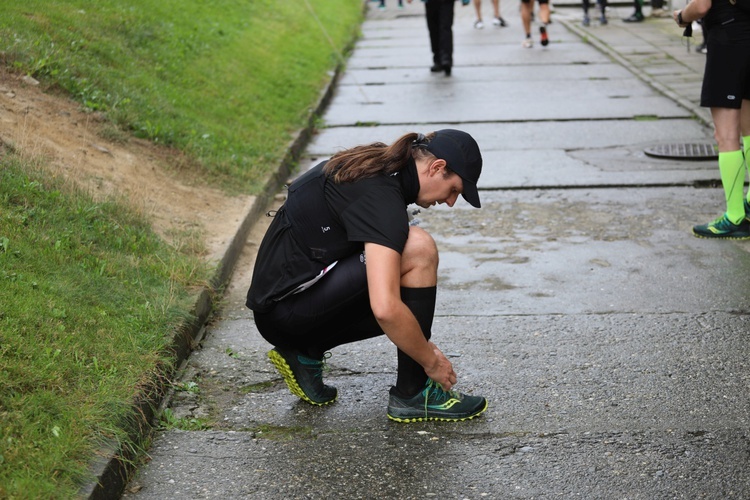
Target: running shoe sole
<point>291,381</point>
<point>720,236</point>
<point>407,420</point>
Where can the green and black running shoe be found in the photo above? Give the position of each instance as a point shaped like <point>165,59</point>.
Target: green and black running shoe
<point>303,376</point>
<point>435,403</point>
<point>724,228</point>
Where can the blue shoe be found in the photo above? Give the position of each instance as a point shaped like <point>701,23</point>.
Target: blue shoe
<point>435,403</point>
<point>303,376</point>
<point>724,228</point>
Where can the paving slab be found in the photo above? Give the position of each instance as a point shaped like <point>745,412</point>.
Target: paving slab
<point>585,251</point>
<point>611,344</point>
<point>618,99</point>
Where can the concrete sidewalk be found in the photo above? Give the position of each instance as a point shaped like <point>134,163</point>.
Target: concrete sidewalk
<point>611,344</point>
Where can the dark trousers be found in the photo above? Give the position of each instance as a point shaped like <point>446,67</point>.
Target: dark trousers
<point>439,15</point>
<point>336,311</point>
<point>587,3</point>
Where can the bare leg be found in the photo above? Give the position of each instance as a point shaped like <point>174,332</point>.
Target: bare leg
<point>478,9</point>
<point>745,117</point>
<point>526,9</point>
<point>727,126</point>
<point>544,13</point>
<point>419,260</point>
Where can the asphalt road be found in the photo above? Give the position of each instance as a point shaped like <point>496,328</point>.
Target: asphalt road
<point>611,344</point>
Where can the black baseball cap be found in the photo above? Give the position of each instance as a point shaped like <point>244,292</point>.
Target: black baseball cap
<point>461,152</point>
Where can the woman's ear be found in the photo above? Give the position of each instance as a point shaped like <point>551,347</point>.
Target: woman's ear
<point>438,166</point>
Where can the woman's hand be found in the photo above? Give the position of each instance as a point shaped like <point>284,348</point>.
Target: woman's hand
<point>675,16</point>
<point>442,371</point>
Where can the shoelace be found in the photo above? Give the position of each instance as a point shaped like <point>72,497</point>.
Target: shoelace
<point>436,390</point>
<point>316,366</point>
<point>723,223</point>
<point>324,365</point>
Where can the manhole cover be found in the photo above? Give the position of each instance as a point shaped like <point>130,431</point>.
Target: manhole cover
<point>683,151</point>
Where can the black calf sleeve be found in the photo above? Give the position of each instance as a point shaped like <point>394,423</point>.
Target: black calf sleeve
<point>421,302</point>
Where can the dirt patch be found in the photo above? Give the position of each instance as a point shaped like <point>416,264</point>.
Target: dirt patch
<point>71,143</point>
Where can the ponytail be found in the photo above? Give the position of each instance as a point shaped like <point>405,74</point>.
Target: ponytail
<point>369,160</point>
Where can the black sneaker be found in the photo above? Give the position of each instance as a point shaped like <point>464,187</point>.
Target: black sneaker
<point>543,38</point>
<point>637,17</point>
<point>303,376</point>
<point>724,228</point>
<point>435,403</point>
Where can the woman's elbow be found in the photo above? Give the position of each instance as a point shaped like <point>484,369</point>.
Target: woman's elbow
<point>384,310</point>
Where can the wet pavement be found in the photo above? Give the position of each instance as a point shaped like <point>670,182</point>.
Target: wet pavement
<point>611,344</point>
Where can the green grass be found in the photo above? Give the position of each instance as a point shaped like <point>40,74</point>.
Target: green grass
<point>90,297</point>
<point>89,300</point>
<point>229,82</point>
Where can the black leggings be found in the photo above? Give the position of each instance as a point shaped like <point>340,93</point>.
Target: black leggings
<point>336,310</point>
<point>587,3</point>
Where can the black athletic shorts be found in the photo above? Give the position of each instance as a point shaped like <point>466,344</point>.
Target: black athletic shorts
<point>726,79</point>
<point>538,1</point>
<point>334,311</point>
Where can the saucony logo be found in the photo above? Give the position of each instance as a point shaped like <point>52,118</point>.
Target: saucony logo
<point>447,405</point>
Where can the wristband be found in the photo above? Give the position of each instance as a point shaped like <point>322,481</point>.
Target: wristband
<point>679,18</point>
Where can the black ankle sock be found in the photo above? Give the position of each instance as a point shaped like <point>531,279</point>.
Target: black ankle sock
<point>421,302</point>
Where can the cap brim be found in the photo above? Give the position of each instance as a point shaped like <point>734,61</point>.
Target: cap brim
<point>471,194</point>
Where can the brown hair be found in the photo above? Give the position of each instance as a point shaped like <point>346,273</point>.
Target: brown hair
<point>371,159</point>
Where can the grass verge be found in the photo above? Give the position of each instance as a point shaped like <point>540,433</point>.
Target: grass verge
<point>227,82</point>
<point>89,300</point>
<point>90,297</point>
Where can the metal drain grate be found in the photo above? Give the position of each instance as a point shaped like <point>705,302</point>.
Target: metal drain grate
<point>683,151</point>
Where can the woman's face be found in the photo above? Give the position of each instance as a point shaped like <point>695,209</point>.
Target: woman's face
<point>435,187</point>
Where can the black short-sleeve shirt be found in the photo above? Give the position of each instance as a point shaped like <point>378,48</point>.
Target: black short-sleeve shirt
<point>321,222</point>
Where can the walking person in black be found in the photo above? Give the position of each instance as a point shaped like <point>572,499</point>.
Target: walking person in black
<point>439,15</point>
<point>341,263</point>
